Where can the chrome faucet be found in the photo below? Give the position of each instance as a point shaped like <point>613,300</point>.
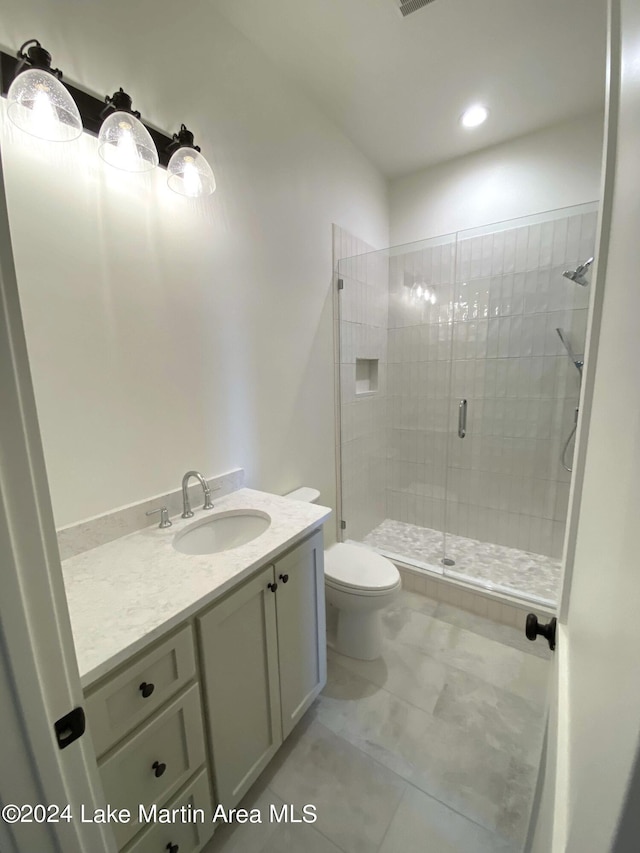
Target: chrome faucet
<point>187,512</point>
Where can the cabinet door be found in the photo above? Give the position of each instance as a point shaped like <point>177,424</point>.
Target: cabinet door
<point>239,652</point>
<point>301,629</point>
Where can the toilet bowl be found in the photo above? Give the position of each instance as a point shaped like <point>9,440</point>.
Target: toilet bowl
<point>359,584</point>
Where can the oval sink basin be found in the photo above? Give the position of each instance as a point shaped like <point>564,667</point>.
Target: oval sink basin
<point>222,532</point>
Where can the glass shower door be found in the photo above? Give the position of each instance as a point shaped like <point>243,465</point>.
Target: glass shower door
<point>513,395</point>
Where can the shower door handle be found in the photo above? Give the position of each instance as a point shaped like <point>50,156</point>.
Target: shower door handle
<point>462,419</point>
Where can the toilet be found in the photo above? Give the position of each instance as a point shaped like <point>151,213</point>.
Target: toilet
<point>359,583</point>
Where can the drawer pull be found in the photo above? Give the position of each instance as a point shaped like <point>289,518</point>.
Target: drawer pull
<point>172,848</point>
<point>272,586</point>
<point>147,689</point>
<point>284,578</point>
<point>158,768</point>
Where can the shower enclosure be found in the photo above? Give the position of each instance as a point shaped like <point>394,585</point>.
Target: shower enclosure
<point>459,389</point>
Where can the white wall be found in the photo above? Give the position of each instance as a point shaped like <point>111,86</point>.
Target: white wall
<point>590,792</point>
<point>602,618</point>
<point>555,167</point>
<point>161,337</point>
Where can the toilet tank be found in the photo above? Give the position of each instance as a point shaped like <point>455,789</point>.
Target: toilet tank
<point>304,493</point>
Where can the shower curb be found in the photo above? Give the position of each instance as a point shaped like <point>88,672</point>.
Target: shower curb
<point>492,605</point>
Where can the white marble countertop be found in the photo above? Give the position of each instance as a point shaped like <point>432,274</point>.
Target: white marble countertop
<point>127,593</point>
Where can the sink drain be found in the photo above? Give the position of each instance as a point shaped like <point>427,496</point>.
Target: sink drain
<point>447,561</point>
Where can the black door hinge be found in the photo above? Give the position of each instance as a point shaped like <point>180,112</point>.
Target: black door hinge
<point>343,525</point>
<point>340,284</point>
<point>70,727</point>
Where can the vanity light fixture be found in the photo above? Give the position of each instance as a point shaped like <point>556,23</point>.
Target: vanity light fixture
<point>123,141</point>
<point>189,174</point>
<point>39,103</point>
<point>42,106</point>
<point>474,116</point>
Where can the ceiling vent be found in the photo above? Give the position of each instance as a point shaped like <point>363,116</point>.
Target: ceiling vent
<point>409,6</point>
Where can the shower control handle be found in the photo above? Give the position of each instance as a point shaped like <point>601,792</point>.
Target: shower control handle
<point>534,629</point>
<point>462,419</point>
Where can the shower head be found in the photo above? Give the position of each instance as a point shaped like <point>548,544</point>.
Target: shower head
<point>577,362</point>
<point>578,274</point>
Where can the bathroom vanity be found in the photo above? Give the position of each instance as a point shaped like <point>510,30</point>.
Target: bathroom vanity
<point>195,679</point>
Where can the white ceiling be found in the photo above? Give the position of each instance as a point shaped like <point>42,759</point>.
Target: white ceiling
<point>397,86</point>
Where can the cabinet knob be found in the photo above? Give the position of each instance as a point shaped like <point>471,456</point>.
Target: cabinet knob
<point>284,578</point>
<point>147,689</point>
<point>272,586</point>
<point>172,848</point>
<point>158,768</point>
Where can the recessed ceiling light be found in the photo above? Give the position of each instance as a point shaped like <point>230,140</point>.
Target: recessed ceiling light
<point>474,116</point>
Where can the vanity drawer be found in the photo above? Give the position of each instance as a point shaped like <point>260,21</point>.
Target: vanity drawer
<point>150,766</point>
<point>188,836</point>
<point>117,707</point>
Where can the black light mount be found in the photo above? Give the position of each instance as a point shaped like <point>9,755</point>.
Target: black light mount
<point>118,102</point>
<point>35,57</point>
<point>91,108</point>
<point>182,139</point>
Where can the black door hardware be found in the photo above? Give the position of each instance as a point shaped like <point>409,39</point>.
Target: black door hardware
<point>284,578</point>
<point>147,689</point>
<point>535,629</point>
<point>272,586</point>
<point>158,768</point>
<point>172,848</point>
<point>70,727</point>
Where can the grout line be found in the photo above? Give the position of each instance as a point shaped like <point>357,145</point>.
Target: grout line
<point>486,619</point>
<point>406,782</point>
<point>468,631</point>
<point>454,810</point>
<point>463,672</point>
<point>396,810</point>
<point>306,826</point>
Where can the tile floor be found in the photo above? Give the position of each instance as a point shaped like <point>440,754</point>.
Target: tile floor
<point>522,573</point>
<point>434,747</point>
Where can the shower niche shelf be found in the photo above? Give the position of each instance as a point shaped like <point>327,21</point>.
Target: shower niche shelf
<point>366,376</point>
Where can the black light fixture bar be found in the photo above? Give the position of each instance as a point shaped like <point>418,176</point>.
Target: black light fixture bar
<point>89,106</point>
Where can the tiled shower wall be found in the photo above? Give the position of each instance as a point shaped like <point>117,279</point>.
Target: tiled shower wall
<point>490,338</point>
<point>362,334</point>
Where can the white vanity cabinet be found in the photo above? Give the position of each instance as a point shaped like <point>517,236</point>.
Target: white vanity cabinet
<point>169,720</point>
<point>263,661</point>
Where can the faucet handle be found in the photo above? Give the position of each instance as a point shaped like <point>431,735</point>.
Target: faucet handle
<point>164,516</point>
<point>207,495</point>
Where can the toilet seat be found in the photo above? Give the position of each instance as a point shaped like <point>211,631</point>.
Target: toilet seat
<point>360,591</point>
<point>359,571</point>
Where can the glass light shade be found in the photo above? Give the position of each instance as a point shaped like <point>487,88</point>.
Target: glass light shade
<point>124,142</point>
<point>190,174</point>
<point>40,105</point>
